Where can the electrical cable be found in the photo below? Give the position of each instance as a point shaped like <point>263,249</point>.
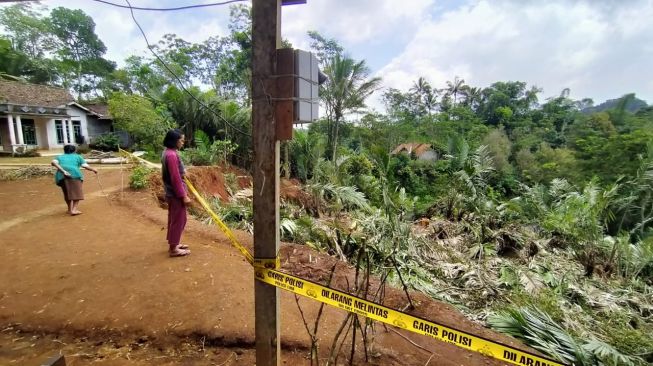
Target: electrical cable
<point>186,7</point>
<point>181,83</point>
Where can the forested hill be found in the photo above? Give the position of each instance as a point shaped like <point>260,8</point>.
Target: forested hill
<point>632,105</point>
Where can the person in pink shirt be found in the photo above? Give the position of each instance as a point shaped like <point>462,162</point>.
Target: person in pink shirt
<point>173,171</point>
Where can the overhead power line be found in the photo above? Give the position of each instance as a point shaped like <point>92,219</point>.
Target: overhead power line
<point>179,81</point>
<point>186,7</point>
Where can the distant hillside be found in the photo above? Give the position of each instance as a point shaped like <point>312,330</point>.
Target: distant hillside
<point>632,105</point>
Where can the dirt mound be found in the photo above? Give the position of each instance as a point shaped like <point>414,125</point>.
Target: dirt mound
<point>291,190</point>
<point>213,181</point>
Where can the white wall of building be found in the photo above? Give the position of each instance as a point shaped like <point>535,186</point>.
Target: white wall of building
<point>78,114</point>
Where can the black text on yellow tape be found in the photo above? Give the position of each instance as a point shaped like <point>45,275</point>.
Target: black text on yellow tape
<point>393,317</point>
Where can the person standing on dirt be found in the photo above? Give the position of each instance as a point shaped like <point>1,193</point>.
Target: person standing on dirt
<point>70,178</point>
<point>173,171</point>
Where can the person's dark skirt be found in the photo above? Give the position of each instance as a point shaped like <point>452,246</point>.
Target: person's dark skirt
<point>72,189</point>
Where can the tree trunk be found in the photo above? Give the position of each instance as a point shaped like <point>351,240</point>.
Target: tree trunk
<point>79,81</point>
<point>336,124</point>
<point>334,147</point>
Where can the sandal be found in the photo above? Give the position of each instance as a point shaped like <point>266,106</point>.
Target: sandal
<point>182,246</point>
<point>179,253</point>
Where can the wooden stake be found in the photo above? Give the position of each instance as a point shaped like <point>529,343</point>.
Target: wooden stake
<point>266,38</point>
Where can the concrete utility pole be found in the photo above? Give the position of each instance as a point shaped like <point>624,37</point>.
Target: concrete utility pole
<point>266,38</point>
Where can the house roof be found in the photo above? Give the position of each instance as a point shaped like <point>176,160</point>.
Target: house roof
<point>26,94</point>
<point>100,109</point>
<point>412,147</point>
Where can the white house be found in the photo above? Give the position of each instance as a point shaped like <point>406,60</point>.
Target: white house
<point>45,118</point>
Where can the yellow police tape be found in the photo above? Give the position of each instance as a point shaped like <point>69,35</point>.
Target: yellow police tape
<point>220,224</point>
<point>264,271</point>
<point>396,318</point>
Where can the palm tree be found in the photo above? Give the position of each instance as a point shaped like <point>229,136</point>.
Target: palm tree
<point>346,90</point>
<point>453,88</point>
<point>306,150</point>
<point>420,86</point>
<point>473,96</point>
<point>425,94</point>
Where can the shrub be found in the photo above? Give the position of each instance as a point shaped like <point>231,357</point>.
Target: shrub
<point>140,177</point>
<point>106,142</point>
<point>231,182</point>
<point>83,149</point>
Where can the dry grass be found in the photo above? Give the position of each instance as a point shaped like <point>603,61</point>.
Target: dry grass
<point>7,160</point>
<point>26,172</point>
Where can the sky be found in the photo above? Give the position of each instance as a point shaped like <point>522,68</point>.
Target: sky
<point>600,49</point>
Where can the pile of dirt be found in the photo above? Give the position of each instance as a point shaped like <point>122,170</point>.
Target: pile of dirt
<point>209,180</point>
<point>291,190</point>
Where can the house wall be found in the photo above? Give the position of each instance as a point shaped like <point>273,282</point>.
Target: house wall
<point>41,131</point>
<point>429,155</point>
<point>42,138</point>
<point>51,134</point>
<point>78,114</point>
<point>97,127</point>
<point>45,129</point>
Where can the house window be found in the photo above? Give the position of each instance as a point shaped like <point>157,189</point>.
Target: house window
<point>61,129</point>
<point>29,132</point>
<point>58,125</point>
<point>77,129</point>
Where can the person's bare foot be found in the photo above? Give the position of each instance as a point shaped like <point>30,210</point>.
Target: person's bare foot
<point>75,213</point>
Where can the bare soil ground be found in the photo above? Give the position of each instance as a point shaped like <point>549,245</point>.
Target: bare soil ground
<point>100,289</point>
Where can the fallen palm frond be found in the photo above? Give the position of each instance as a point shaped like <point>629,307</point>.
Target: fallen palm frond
<point>539,331</point>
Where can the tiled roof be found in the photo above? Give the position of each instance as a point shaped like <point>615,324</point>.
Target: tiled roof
<point>101,109</point>
<point>413,147</point>
<point>19,93</point>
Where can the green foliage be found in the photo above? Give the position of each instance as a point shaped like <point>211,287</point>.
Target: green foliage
<point>140,177</point>
<point>137,116</point>
<point>547,164</point>
<point>539,331</point>
<point>106,142</point>
<point>207,152</point>
<point>238,214</point>
<point>581,216</point>
<point>306,150</point>
<point>337,198</point>
<point>499,148</point>
<point>547,300</point>
<point>79,48</point>
<point>346,90</point>
<point>627,334</point>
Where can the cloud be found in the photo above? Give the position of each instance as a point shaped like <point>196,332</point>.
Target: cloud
<point>353,22</point>
<point>118,31</point>
<point>598,49</point>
